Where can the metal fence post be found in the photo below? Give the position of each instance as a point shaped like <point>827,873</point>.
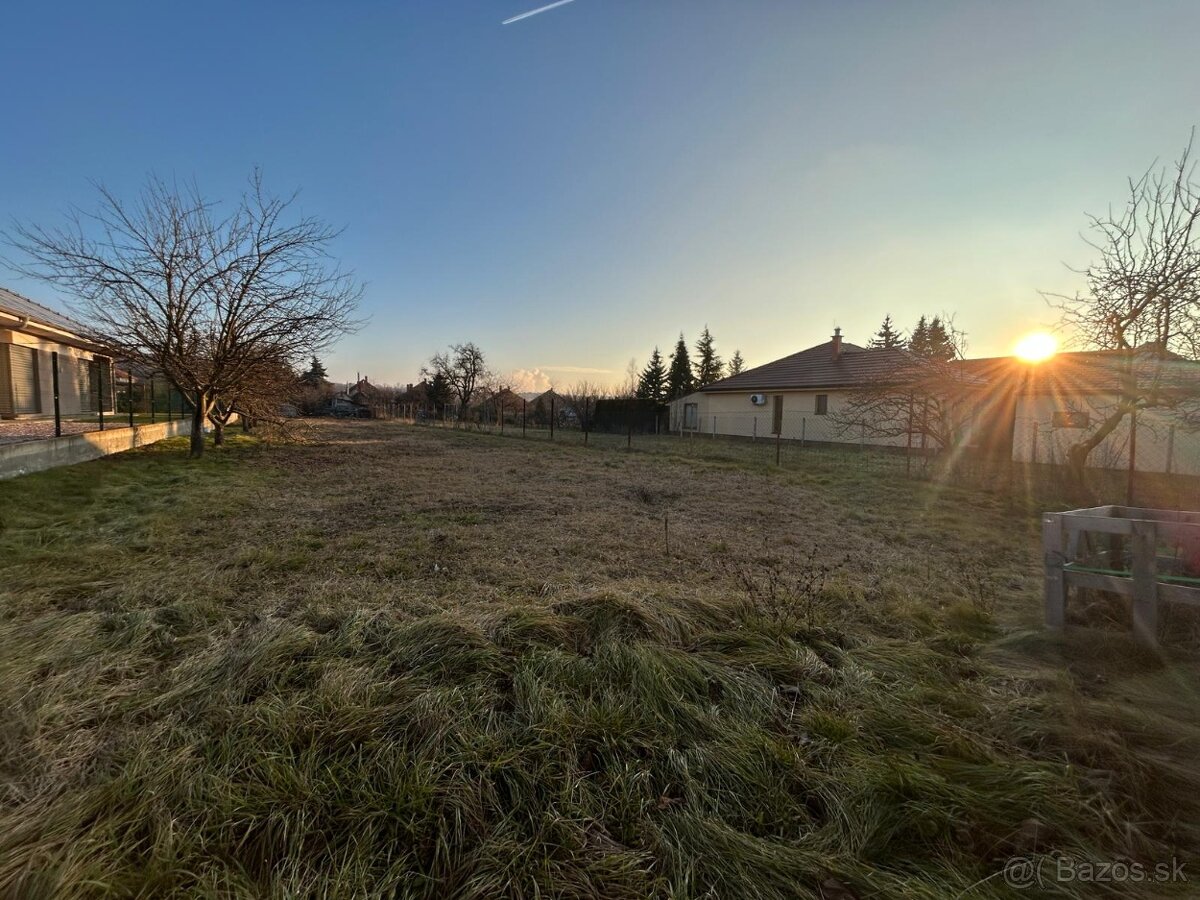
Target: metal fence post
<point>803,424</point>
<point>100,395</point>
<point>129,395</point>
<point>908,440</point>
<point>714,427</point>
<point>1170,448</point>
<point>551,417</point>
<point>1033,450</point>
<point>1132,456</point>
<point>524,405</point>
<point>54,383</point>
<point>754,431</point>
<point>153,417</point>
<point>779,439</point>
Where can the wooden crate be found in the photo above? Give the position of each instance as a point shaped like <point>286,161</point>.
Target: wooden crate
<point>1118,549</point>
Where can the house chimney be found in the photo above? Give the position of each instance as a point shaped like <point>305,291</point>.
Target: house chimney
<point>837,342</point>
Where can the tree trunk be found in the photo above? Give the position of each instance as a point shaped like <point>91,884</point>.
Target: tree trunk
<point>218,432</point>
<point>199,413</point>
<point>1078,452</point>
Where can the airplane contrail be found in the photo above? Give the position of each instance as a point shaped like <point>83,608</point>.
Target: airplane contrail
<point>534,12</point>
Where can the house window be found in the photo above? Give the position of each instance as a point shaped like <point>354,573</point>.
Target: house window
<point>822,407</point>
<point>691,416</point>
<point>1069,418</point>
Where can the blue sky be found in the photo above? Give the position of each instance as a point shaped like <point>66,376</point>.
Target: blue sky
<point>572,189</point>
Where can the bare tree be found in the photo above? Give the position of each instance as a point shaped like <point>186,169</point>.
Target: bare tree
<point>464,369</point>
<point>628,386</point>
<point>931,403</point>
<point>1143,297</point>
<point>256,399</point>
<point>210,302</point>
<point>498,397</point>
<point>581,397</point>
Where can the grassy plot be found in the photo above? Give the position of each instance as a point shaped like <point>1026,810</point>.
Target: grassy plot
<point>415,663</point>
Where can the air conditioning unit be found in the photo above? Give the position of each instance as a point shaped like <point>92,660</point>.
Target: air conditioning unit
<point>758,399</point>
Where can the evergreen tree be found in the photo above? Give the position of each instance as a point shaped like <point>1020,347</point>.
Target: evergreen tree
<point>709,367</point>
<point>931,339</point>
<point>652,383</point>
<point>887,337</point>
<point>941,341</point>
<point>918,343</point>
<point>680,380</point>
<point>316,374</point>
<point>736,363</point>
<point>438,392</point>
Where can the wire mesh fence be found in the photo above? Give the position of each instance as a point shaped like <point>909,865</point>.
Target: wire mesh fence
<point>1157,468</point>
<point>57,394</point>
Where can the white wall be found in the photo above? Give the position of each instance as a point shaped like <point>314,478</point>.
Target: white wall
<point>1162,440</point>
<point>70,400</point>
<point>733,414</point>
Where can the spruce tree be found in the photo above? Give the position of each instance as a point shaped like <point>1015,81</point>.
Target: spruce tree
<point>941,341</point>
<point>918,343</point>
<point>679,378</point>
<point>652,383</point>
<point>709,367</point>
<point>736,363</point>
<point>316,374</point>
<point>438,393</point>
<point>887,337</point>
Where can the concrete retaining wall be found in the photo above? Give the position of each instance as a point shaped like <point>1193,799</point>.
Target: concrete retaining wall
<point>35,456</point>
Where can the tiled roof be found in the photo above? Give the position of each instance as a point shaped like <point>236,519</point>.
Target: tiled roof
<point>1086,372</point>
<point>815,367</point>
<point>17,305</point>
<point>1080,372</point>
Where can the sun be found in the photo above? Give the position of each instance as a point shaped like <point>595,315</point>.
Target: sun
<point>1036,347</point>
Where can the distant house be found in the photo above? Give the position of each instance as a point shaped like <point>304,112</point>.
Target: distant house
<point>503,404</point>
<point>1029,412</point>
<point>796,396</point>
<point>365,394</point>
<point>551,403</point>
<point>343,405</point>
<point>32,337</point>
<point>1040,410</point>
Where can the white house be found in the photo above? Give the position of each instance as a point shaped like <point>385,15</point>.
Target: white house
<point>1051,405</point>
<point>1030,412</point>
<point>796,397</point>
<point>32,338</point>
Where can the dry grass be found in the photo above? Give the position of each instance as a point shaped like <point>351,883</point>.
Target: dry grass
<point>404,662</point>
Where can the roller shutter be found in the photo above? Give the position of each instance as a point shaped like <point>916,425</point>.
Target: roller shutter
<point>26,385</point>
<point>6,410</point>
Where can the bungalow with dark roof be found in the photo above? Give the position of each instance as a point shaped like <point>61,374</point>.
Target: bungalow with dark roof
<point>796,397</point>
<point>32,338</point>
<point>1030,412</point>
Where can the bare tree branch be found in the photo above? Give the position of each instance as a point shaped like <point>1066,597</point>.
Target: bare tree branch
<point>220,306</point>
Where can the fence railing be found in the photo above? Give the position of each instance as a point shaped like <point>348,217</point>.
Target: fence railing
<point>63,394</point>
<point>795,440</point>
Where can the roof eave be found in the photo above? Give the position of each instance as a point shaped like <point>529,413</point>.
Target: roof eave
<point>33,327</point>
